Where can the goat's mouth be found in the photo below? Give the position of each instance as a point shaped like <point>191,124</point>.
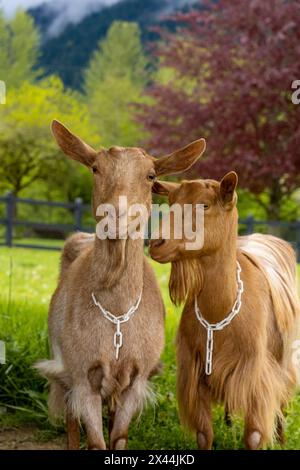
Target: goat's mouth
<point>120,228</point>
<point>161,252</point>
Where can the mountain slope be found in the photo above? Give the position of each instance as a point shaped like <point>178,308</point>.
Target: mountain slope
<point>68,54</point>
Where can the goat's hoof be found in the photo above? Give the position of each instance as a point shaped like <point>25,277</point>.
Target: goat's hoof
<point>253,440</point>
<point>202,441</point>
<point>120,444</point>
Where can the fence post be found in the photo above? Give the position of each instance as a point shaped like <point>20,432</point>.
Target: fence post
<point>78,213</point>
<point>250,224</point>
<point>10,202</point>
<point>298,240</point>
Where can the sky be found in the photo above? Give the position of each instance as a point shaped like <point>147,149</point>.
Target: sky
<point>67,11</point>
<point>78,6</point>
<point>70,11</point>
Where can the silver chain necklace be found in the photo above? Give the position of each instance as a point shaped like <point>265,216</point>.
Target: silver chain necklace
<point>118,336</point>
<point>211,327</point>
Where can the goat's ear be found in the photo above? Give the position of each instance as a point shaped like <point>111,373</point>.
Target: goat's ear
<point>228,186</point>
<point>72,145</point>
<point>181,160</point>
<point>164,188</point>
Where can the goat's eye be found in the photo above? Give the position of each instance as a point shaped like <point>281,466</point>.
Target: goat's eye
<point>151,176</point>
<point>204,206</point>
<point>94,169</point>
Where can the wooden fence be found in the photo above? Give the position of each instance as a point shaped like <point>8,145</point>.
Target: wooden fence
<point>77,208</point>
<point>287,230</point>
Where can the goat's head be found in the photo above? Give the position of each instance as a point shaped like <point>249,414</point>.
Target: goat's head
<point>127,172</point>
<point>218,201</point>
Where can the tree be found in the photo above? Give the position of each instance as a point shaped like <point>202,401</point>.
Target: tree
<point>28,153</point>
<point>19,46</point>
<point>233,64</point>
<point>114,81</point>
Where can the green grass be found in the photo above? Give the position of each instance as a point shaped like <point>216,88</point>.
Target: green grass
<point>48,242</point>
<point>27,280</point>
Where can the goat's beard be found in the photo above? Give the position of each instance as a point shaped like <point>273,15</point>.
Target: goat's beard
<point>186,280</point>
<point>114,262</point>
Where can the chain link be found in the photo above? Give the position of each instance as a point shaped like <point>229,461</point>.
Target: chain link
<point>211,327</point>
<point>118,320</point>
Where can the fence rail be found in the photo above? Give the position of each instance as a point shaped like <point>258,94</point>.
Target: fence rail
<point>77,208</point>
<point>10,220</point>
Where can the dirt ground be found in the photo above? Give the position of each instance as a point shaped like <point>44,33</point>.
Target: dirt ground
<point>27,438</point>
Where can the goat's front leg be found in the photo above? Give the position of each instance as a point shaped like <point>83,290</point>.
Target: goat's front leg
<point>88,406</point>
<point>93,423</point>
<point>198,416</point>
<point>203,418</point>
<point>193,395</point>
<point>73,431</point>
<point>132,400</point>
<point>253,435</point>
<point>262,423</point>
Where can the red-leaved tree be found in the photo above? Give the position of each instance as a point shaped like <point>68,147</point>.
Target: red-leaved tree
<point>233,64</point>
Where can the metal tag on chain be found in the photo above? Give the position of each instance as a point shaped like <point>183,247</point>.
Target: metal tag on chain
<point>118,339</point>
<point>209,351</point>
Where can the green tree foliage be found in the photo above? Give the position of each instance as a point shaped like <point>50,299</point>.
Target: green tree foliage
<point>233,65</point>
<point>114,82</point>
<point>19,49</point>
<point>28,154</point>
<point>29,159</point>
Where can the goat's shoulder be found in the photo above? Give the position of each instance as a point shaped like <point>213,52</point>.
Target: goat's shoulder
<point>75,246</point>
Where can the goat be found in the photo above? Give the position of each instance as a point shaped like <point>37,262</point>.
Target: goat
<point>90,366</point>
<point>248,364</point>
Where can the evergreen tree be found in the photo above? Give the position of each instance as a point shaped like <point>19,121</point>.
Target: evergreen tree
<point>114,82</point>
<point>19,46</point>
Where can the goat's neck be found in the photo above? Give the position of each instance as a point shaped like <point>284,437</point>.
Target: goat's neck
<point>219,289</point>
<point>117,270</point>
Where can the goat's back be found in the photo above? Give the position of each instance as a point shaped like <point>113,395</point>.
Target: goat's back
<point>276,258</point>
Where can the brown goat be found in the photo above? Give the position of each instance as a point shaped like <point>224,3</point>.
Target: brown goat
<point>252,371</point>
<point>84,371</point>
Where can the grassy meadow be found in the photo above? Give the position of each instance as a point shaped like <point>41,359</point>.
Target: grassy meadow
<point>27,280</point>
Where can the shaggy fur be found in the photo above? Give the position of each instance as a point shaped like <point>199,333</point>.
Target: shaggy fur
<point>186,280</point>
<point>252,372</point>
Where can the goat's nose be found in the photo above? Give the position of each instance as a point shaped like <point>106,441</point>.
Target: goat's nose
<point>157,243</point>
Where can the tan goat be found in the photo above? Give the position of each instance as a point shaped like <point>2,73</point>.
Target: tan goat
<point>245,363</point>
<point>84,371</point>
